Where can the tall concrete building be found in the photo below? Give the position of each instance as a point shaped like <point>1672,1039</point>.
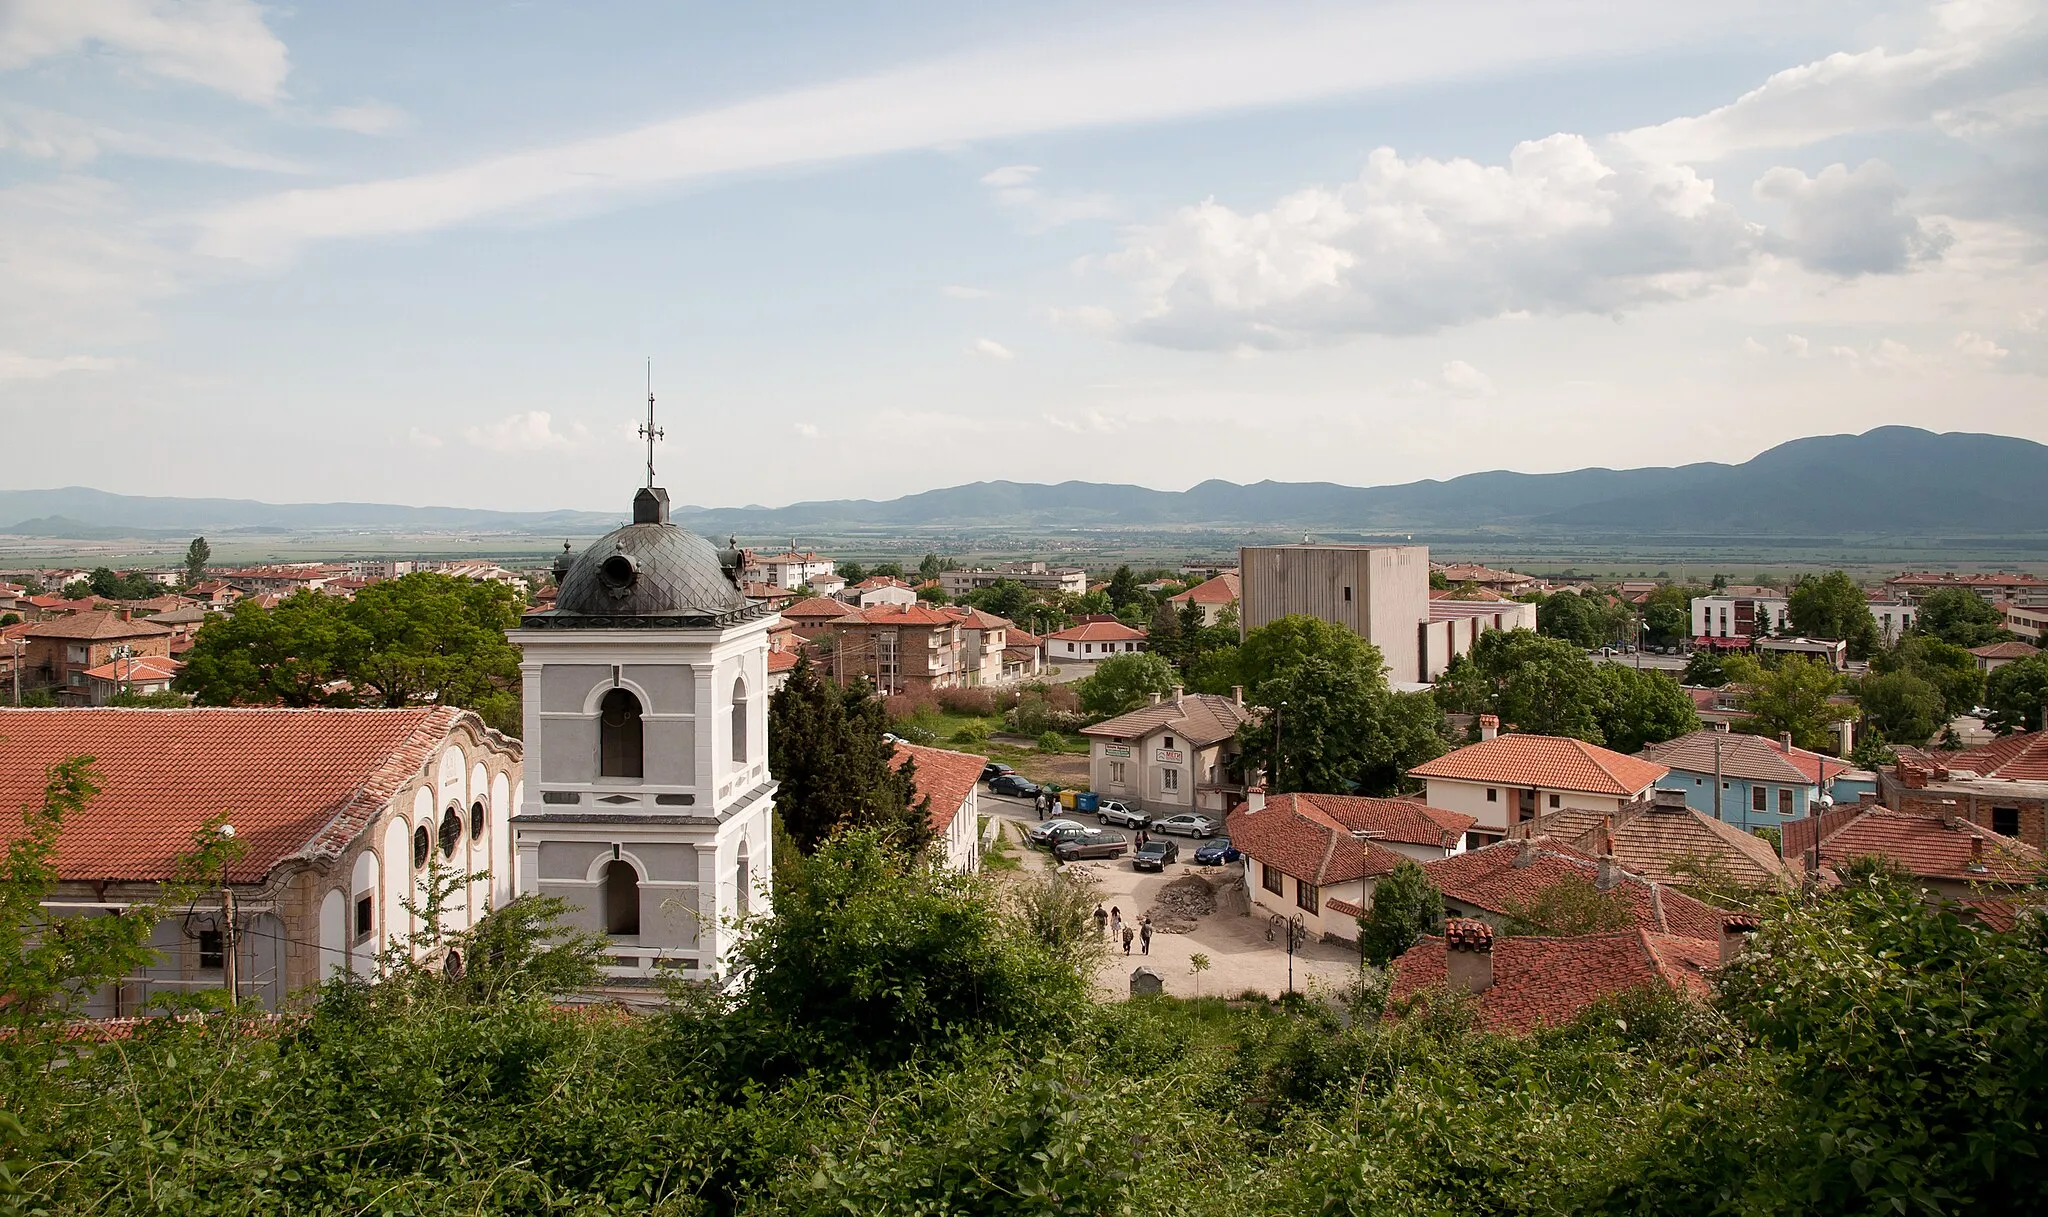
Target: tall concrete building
<point>1379,592</point>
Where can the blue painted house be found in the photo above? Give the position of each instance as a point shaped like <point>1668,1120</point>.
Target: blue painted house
<point>1764,782</point>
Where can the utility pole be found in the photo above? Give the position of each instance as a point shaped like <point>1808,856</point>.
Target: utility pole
<point>1276,774</point>
<point>1720,729</point>
<point>227,927</point>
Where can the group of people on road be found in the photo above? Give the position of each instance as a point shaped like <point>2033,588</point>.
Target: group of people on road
<point>1113,923</point>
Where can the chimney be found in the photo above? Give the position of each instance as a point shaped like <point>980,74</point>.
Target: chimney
<point>1526,855</point>
<point>1610,873</point>
<point>1237,694</point>
<point>1657,908</point>
<point>1489,726</point>
<point>1468,955</point>
<point>1785,742</point>
<point>1606,849</point>
<point>1155,698</point>
<point>1976,864</point>
<point>1667,800</point>
<point>1735,931</point>
<point>1255,799</point>
<point>1179,691</point>
<point>127,614</point>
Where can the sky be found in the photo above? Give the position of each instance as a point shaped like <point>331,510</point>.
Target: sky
<point>424,253</point>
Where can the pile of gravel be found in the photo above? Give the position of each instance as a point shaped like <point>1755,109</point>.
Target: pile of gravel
<point>1180,903</point>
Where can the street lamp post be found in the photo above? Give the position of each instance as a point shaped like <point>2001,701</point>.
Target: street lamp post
<point>1720,729</point>
<point>1277,784</point>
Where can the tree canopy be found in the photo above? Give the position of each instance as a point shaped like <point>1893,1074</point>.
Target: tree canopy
<point>1833,606</point>
<point>1959,617</point>
<point>1903,708</point>
<point>1123,683</point>
<point>423,639</point>
<point>1405,906</point>
<point>827,754</point>
<point>1949,669</point>
<point>1588,621</point>
<point>197,555</point>
<point>2014,694</point>
<point>1795,695</point>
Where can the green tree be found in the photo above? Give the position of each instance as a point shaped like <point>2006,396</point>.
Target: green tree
<point>1405,906</point>
<point>1703,670</point>
<point>826,751</point>
<point>1163,635</point>
<point>1334,729</point>
<point>887,570</point>
<point>429,639</point>
<point>291,655</point>
<point>1291,641</point>
<point>2014,694</point>
<point>934,595</point>
<point>1832,606</point>
<point>1794,696</point>
<point>1586,621</point>
<point>1006,598</point>
<point>1640,707</point>
<point>197,555</point>
<point>1544,686</point>
<point>1567,908</point>
<point>1950,669</point>
<point>931,566</point>
<point>1438,581</point>
<point>1123,683</point>
<point>852,572</point>
<point>1902,707</point>
<point>1959,617</point>
<point>1123,588</point>
<point>1665,624</point>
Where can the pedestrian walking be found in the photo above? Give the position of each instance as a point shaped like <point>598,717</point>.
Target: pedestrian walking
<point>1142,838</point>
<point>1127,940</point>
<point>1116,921</point>
<point>1101,921</point>
<point>1145,935</point>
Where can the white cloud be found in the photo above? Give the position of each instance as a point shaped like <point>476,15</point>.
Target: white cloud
<point>369,118</point>
<point>1849,223</point>
<point>1844,93</point>
<point>1208,63</point>
<point>989,348</point>
<point>1464,380</point>
<point>531,431</point>
<point>217,44</point>
<point>426,441</point>
<point>1416,245</point>
<point>1977,346</point>
<point>806,430</point>
<point>80,266</point>
<point>16,366</point>
<point>958,292</point>
<point>1015,187</point>
<point>1091,422</point>
<point>72,141</point>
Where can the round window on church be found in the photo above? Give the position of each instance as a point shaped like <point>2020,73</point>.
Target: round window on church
<point>476,820</point>
<point>421,843</point>
<point>618,571</point>
<point>451,832</point>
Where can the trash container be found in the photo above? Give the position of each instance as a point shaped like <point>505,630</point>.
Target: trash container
<point>1086,802</point>
<point>1067,799</point>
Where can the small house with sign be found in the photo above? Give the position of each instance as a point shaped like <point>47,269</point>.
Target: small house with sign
<point>1174,755</point>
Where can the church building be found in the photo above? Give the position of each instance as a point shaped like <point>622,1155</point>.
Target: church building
<point>648,806</point>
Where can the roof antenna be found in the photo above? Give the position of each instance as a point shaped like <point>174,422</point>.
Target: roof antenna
<point>649,431</point>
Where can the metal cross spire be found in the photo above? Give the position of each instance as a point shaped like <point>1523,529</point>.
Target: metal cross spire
<point>648,431</point>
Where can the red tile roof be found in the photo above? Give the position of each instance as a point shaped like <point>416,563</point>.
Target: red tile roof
<point>1929,847</point>
<point>1545,762</point>
<point>1751,757</point>
<point>1407,821</point>
<point>292,782</point>
<point>2016,758</point>
<point>1099,631</point>
<point>976,619</point>
<point>819,607</point>
<point>1299,839</point>
<point>948,777</point>
<point>1201,718</point>
<point>2005,650</point>
<point>1499,881</point>
<point>1472,572</point>
<point>95,626</point>
<point>1545,982</point>
<point>1223,589</point>
<point>781,661</point>
<point>142,667</point>
<point>905,614</point>
<point>58,604</point>
<point>1470,595</point>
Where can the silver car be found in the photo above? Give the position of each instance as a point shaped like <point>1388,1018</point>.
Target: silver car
<point>1110,811</point>
<point>1184,825</point>
<point>1041,833</point>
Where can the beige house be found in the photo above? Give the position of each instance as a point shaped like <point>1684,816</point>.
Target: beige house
<point>1172,756</point>
<point>1213,596</point>
<point>1319,856</point>
<point>1507,779</point>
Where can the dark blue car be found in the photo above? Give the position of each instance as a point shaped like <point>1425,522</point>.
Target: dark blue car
<point>1216,850</point>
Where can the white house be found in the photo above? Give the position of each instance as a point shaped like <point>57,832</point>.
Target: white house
<point>1320,855</point>
<point>950,780</point>
<point>787,569</point>
<point>1093,642</point>
<point>1739,616</point>
<point>649,807</point>
<point>1172,756</point>
<point>1507,779</point>
<point>879,589</point>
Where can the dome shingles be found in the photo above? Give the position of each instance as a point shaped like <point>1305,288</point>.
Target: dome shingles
<point>647,575</point>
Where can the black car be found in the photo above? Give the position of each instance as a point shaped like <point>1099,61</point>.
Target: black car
<point>1155,855</point>
<point>1216,851</point>
<point>1011,784</point>
<point>993,770</point>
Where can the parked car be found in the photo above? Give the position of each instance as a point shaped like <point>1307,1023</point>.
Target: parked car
<point>993,770</point>
<point>1095,844</point>
<point>1012,784</point>
<point>1155,855</point>
<point>1075,832</point>
<point>1110,811</point>
<point>1041,833</point>
<point>1185,824</point>
<point>1216,852</point>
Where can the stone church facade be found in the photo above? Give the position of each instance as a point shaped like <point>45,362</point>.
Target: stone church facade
<point>648,806</point>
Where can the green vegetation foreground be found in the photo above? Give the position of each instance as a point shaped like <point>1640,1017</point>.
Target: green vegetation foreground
<point>910,1042</point>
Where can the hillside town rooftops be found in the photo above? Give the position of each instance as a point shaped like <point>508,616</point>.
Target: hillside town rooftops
<point>2016,758</point>
<point>946,777</point>
<point>1545,982</point>
<point>95,626</point>
<point>1098,631</point>
<point>1749,757</point>
<point>1664,840</point>
<point>1223,589</point>
<point>1199,718</point>
<point>2009,649</point>
<point>1927,846</point>
<point>1298,838</point>
<point>1512,877</point>
<point>140,668</point>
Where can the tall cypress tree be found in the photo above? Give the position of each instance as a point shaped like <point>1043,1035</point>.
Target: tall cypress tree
<point>826,751</point>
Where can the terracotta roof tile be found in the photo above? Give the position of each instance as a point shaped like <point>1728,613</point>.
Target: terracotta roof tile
<point>2005,650</point>
<point>142,667</point>
<point>96,625</point>
<point>819,607</point>
<point>1202,718</point>
<point>1406,821</point>
<point>1099,631</point>
<point>1545,982</point>
<point>1300,840</point>
<point>2020,758</point>
<point>1223,589</point>
<point>1660,842</point>
<point>905,614</point>
<point>948,777</point>
<point>1929,847</point>
<point>1490,879</point>
<point>1546,762</point>
<point>292,782</point>
<point>1751,757</point>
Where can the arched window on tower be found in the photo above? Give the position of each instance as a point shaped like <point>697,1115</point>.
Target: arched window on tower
<point>744,878</point>
<point>618,735</point>
<point>621,898</point>
<point>739,721</point>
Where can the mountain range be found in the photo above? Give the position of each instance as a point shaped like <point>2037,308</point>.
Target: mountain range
<point>1891,480</point>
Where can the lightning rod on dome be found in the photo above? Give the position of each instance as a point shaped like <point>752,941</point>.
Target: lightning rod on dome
<point>648,431</point>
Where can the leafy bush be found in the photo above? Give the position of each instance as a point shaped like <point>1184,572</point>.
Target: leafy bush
<point>981,703</point>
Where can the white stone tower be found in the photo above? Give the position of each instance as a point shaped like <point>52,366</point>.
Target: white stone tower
<point>648,804</point>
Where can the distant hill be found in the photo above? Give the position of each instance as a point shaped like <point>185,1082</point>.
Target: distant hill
<point>1893,480</point>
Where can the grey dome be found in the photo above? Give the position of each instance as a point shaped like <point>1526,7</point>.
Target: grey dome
<point>648,575</point>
